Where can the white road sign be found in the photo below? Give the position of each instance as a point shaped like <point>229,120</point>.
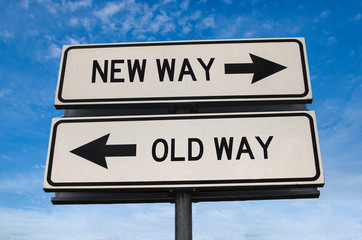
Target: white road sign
<point>183,72</point>
<point>178,151</point>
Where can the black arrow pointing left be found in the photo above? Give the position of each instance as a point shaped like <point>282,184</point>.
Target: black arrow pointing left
<point>97,151</point>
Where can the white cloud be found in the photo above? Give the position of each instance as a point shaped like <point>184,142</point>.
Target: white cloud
<point>331,40</point>
<point>93,222</point>
<point>268,25</point>
<point>21,182</point>
<point>294,29</point>
<point>186,30</point>
<point>187,22</point>
<point>208,22</point>
<point>313,219</point>
<point>109,10</point>
<point>146,21</point>
<point>33,33</point>
<point>54,6</point>
<point>277,219</point>
<point>39,166</point>
<point>357,17</point>
<point>141,20</point>
<point>4,92</point>
<point>168,1</point>
<point>185,4</point>
<point>86,22</point>
<point>51,6</point>
<point>74,40</point>
<point>339,124</point>
<point>322,15</point>
<point>144,13</point>
<point>3,156</point>
<point>6,34</point>
<point>73,6</point>
<point>232,29</point>
<point>162,23</point>
<point>24,4</point>
<point>249,33</point>
<point>54,51</point>
<point>195,15</point>
<point>74,21</point>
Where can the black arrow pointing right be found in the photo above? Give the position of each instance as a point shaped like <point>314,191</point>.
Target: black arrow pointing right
<point>96,151</point>
<point>261,68</point>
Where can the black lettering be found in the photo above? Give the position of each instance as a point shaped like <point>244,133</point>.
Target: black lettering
<point>265,146</point>
<point>206,67</point>
<point>201,147</point>
<point>97,67</point>
<point>173,157</point>
<point>186,64</point>
<point>244,142</point>
<point>114,70</point>
<point>228,147</point>
<point>136,67</point>
<point>165,147</point>
<point>166,66</point>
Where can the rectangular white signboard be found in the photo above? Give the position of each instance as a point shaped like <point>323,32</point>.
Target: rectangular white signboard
<point>260,70</point>
<point>184,151</point>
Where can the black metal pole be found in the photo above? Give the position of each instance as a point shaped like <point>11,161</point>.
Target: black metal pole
<point>183,204</point>
<point>183,216</point>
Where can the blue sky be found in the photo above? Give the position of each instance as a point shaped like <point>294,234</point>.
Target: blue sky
<point>32,33</point>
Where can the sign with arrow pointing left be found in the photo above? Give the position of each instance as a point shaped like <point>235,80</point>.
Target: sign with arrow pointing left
<point>255,70</point>
<point>184,151</point>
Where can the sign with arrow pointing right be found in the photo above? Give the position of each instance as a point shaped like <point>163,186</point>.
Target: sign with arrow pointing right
<point>254,70</point>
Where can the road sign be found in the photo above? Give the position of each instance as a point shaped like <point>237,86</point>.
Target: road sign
<point>184,151</point>
<point>260,70</point>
